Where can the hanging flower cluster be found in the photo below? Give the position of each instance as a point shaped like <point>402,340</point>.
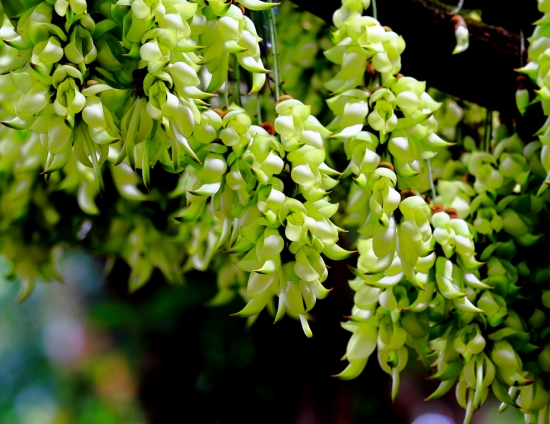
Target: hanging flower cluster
<point>419,282</point>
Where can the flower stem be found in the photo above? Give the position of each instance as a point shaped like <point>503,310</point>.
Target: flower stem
<point>374,10</point>
<point>275,50</point>
<point>488,131</point>
<point>226,91</point>
<point>521,49</point>
<point>238,81</point>
<point>258,108</point>
<point>430,175</point>
<point>458,8</point>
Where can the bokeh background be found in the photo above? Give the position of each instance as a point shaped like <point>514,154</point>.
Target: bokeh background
<point>86,352</point>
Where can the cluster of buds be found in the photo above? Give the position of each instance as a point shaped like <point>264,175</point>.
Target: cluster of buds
<point>407,247</point>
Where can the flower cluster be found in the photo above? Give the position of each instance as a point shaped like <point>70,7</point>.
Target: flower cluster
<point>446,202</point>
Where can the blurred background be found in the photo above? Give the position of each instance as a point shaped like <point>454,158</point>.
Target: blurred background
<point>87,352</point>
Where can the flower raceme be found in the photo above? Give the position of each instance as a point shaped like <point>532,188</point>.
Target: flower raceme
<point>308,231</point>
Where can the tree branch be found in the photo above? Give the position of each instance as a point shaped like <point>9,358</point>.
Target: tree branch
<point>483,74</point>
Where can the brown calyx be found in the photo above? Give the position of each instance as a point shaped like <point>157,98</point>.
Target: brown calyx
<point>521,80</point>
<point>408,192</point>
<point>220,112</point>
<point>269,127</point>
<point>459,21</point>
<point>370,70</point>
<point>438,207</point>
<point>283,98</point>
<point>451,212</point>
<point>386,165</point>
<point>366,90</point>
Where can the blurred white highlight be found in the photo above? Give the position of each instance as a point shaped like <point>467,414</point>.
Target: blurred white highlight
<point>63,339</point>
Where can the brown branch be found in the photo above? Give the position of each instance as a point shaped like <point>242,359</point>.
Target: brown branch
<point>483,74</point>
